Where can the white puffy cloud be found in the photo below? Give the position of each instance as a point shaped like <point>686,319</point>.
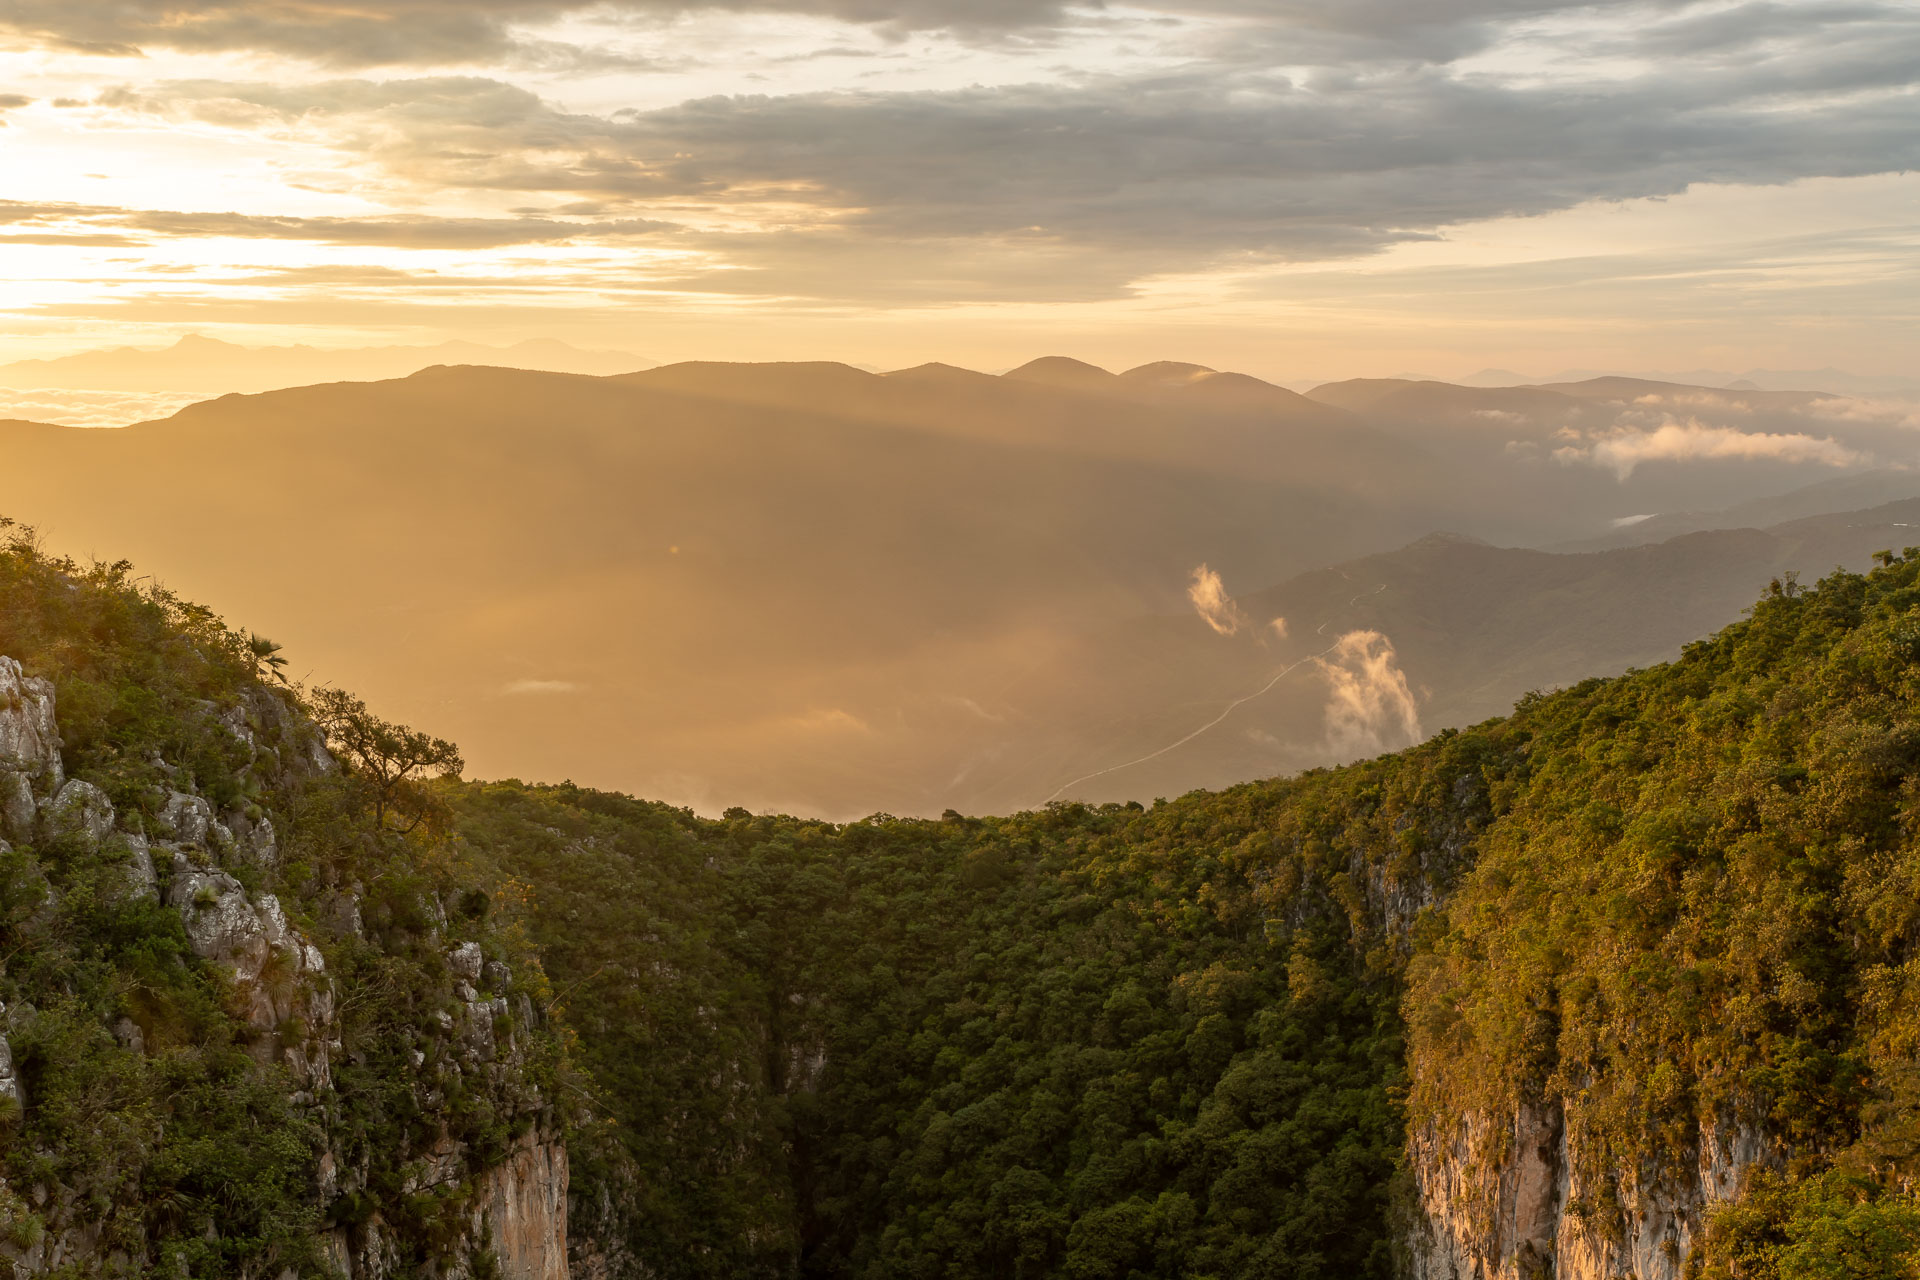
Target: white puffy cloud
<point>1211,601</point>
<point>1624,451</point>
<point>1370,708</point>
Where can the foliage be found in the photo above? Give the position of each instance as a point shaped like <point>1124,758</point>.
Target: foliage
<point>1190,1039</point>
<point>159,1123</point>
<point>1116,1042</point>
<point>1065,1043</point>
<point>390,759</point>
<point>1828,1227</point>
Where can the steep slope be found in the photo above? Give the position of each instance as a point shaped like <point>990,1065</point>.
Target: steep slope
<point>250,1028</point>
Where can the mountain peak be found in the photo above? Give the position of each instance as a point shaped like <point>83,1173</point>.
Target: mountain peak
<point>1062,371</point>
<point>1167,373</point>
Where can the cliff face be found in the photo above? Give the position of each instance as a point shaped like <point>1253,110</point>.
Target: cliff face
<point>514,1224</point>
<point>1518,1201</point>
<point>418,1188</point>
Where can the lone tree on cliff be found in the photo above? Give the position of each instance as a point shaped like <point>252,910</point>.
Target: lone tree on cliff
<point>390,758</point>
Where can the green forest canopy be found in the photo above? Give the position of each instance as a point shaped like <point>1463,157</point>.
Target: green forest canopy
<point>1088,1042</point>
<point>1189,1039</point>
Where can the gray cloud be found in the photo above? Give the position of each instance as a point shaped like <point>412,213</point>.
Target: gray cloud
<point>437,32</point>
<point>1079,189</point>
<point>429,32</point>
<point>415,232</point>
<point>1090,185</point>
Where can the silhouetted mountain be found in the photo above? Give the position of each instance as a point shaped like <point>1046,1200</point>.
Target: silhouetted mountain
<point>202,364</point>
<point>812,587</point>
<point>1848,493</point>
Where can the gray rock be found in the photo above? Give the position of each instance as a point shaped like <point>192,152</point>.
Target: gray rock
<point>186,818</point>
<point>9,1082</point>
<point>128,1033</point>
<point>253,838</point>
<point>499,977</point>
<point>234,721</point>
<point>246,934</point>
<point>141,880</point>
<point>29,735</point>
<point>16,805</point>
<point>340,914</point>
<point>466,961</point>
<point>222,925</point>
<point>81,811</point>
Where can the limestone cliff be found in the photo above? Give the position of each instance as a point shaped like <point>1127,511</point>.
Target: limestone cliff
<point>443,1194</point>
<point>1516,1199</point>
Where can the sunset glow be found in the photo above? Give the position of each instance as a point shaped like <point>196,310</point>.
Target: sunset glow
<point>1627,185</point>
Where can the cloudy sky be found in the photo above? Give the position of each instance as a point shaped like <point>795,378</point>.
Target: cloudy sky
<point>1291,187</point>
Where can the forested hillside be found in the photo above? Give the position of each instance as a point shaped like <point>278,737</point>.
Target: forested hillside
<point>1619,984</point>
<point>1623,983</point>
<point>256,1021</point>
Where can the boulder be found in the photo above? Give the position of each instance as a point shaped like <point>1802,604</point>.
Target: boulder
<point>466,961</point>
<point>188,819</point>
<point>29,736</point>
<point>10,1097</point>
<point>222,924</point>
<point>80,811</point>
<point>142,881</point>
<point>16,805</point>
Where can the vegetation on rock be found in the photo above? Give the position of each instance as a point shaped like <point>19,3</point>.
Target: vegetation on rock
<point>1200,1038</point>
<point>167,1119</point>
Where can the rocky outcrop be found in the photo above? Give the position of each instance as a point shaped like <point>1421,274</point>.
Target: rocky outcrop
<point>29,735</point>
<point>522,1210</point>
<point>9,1082</point>
<point>1516,1199</point>
<point>278,973</point>
<point>216,865</point>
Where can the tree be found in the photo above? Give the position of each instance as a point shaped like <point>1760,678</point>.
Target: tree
<point>266,657</point>
<point>390,758</point>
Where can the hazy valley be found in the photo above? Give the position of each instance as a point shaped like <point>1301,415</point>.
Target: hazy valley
<point>819,590</point>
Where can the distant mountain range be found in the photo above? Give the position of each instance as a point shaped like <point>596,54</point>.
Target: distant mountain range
<point>810,587</point>
<point>202,364</point>
<point>1831,380</point>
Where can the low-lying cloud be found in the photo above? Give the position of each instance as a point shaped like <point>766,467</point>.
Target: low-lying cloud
<point>69,408</point>
<point>1625,451</point>
<point>1211,601</point>
<point>525,688</point>
<point>1370,708</point>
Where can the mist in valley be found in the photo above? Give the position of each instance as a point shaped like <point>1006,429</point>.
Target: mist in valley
<point>816,589</point>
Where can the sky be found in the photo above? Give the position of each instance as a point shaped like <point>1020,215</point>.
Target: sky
<point>1292,188</point>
